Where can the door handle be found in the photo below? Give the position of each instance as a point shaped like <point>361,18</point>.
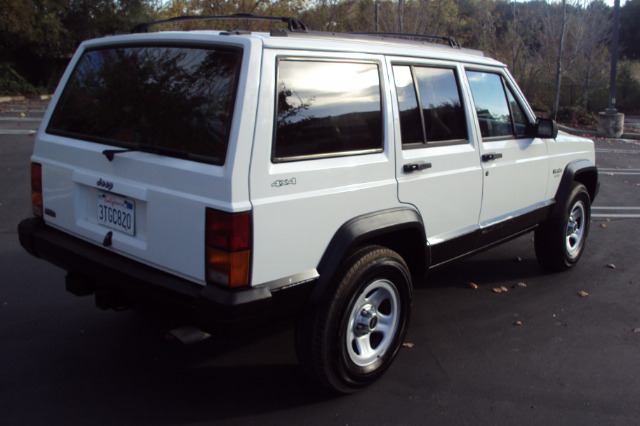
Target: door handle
<point>491,156</point>
<point>416,167</point>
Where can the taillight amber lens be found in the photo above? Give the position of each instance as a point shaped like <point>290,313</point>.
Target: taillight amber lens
<point>228,248</point>
<point>228,269</point>
<point>36,189</point>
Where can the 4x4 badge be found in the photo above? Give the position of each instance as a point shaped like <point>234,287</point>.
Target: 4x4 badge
<point>283,182</point>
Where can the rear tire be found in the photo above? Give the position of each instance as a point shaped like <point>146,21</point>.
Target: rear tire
<point>560,243</point>
<point>348,341</point>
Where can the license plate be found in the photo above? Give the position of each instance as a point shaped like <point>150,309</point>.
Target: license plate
<point>117,213</point>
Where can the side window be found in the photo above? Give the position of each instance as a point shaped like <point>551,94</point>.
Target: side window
<point>499,114</point>
<point>410,119</point>
<point>326,109</point>
<point>433,113</point>
<point>519,118</point>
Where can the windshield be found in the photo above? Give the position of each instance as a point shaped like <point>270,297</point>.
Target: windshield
<point>174,100</point>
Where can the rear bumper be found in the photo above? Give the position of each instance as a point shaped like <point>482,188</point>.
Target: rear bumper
<point>93,269</point>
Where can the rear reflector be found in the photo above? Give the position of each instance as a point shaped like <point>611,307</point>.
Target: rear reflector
<point>228,248</point>
<point>36,190</point>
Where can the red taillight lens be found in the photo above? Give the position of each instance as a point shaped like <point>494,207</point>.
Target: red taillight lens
<point>228,231</point>
<point>36,190</point>
<point>228,248</point>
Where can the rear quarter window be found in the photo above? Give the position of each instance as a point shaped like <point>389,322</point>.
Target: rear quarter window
<point>173,100</point>
<point>327,109</point>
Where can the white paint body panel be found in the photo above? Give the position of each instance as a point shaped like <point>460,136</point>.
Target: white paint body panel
<point>294,223</point>
<point>170,193</point>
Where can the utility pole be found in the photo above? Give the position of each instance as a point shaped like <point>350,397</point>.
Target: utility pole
<point>559,70</point>
<point>614,59</point>
<point>611,122</point>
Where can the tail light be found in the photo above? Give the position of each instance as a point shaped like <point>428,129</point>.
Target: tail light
<point>36,189</point>
<point>228,248</point>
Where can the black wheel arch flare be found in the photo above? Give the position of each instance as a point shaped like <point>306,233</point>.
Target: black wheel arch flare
<point>400,229</point>
<point>583,171</point>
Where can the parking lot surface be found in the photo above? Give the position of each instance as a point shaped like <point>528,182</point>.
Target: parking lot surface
<point>554,348</point>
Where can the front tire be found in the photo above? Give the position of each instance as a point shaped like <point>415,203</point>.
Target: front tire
<point>560,243</point>
<point>348,341</point>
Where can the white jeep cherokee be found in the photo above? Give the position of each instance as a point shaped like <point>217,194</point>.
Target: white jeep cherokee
<point>227,178</point>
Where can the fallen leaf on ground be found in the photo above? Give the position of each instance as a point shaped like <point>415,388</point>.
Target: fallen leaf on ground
<point>604,225</point>
<point>472,285</point>
<point>636,330</point>
<point>504,289</point>
<point>496,290</point>
<point>611,266</point>
<point>608,220</point>
<point>408,345</point>
<point>522,285</point>
<point>583,293</point>
<point>518,259</point>
<point>517,323</point>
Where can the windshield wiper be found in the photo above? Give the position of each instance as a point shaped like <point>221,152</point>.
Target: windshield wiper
<point>154,149</point>
<point>110,153</point>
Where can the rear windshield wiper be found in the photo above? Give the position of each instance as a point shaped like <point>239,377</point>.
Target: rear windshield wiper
<point>154,149</point>
<point>110,153</point>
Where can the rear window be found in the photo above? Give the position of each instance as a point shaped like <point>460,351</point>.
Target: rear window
<point>172,100</point>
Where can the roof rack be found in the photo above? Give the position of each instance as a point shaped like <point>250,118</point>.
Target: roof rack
<point>452,41</point>
<point>293,24</point>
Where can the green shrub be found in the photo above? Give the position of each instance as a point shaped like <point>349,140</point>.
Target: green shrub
<point>627,88</point>
<point>540,108</point>
<point>576,116</point>
<point>12,83</point>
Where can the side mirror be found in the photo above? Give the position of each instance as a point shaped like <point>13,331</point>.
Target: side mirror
<point>546,128</point>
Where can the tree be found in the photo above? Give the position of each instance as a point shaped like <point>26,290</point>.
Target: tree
<point>85,19</point>
<point>629,34</point>
<point>31,32</point>
<point>593,27</point>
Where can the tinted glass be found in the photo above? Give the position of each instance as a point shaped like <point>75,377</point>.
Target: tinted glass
<point>172,100</point>
<point>442,110</point>
<point>326,109</point>
<point>491,104</point>
<point>519,117</point>
<point>410,122</point>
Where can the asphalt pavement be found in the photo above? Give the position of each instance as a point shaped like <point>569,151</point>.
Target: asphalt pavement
<point>553,349</point>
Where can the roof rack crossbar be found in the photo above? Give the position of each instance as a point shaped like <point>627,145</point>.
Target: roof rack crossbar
<point>293,24</point>
<point>452,41</point>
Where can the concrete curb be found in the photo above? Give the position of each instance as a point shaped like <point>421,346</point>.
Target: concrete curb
<point>5,99</point>
<point>594,133</point>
